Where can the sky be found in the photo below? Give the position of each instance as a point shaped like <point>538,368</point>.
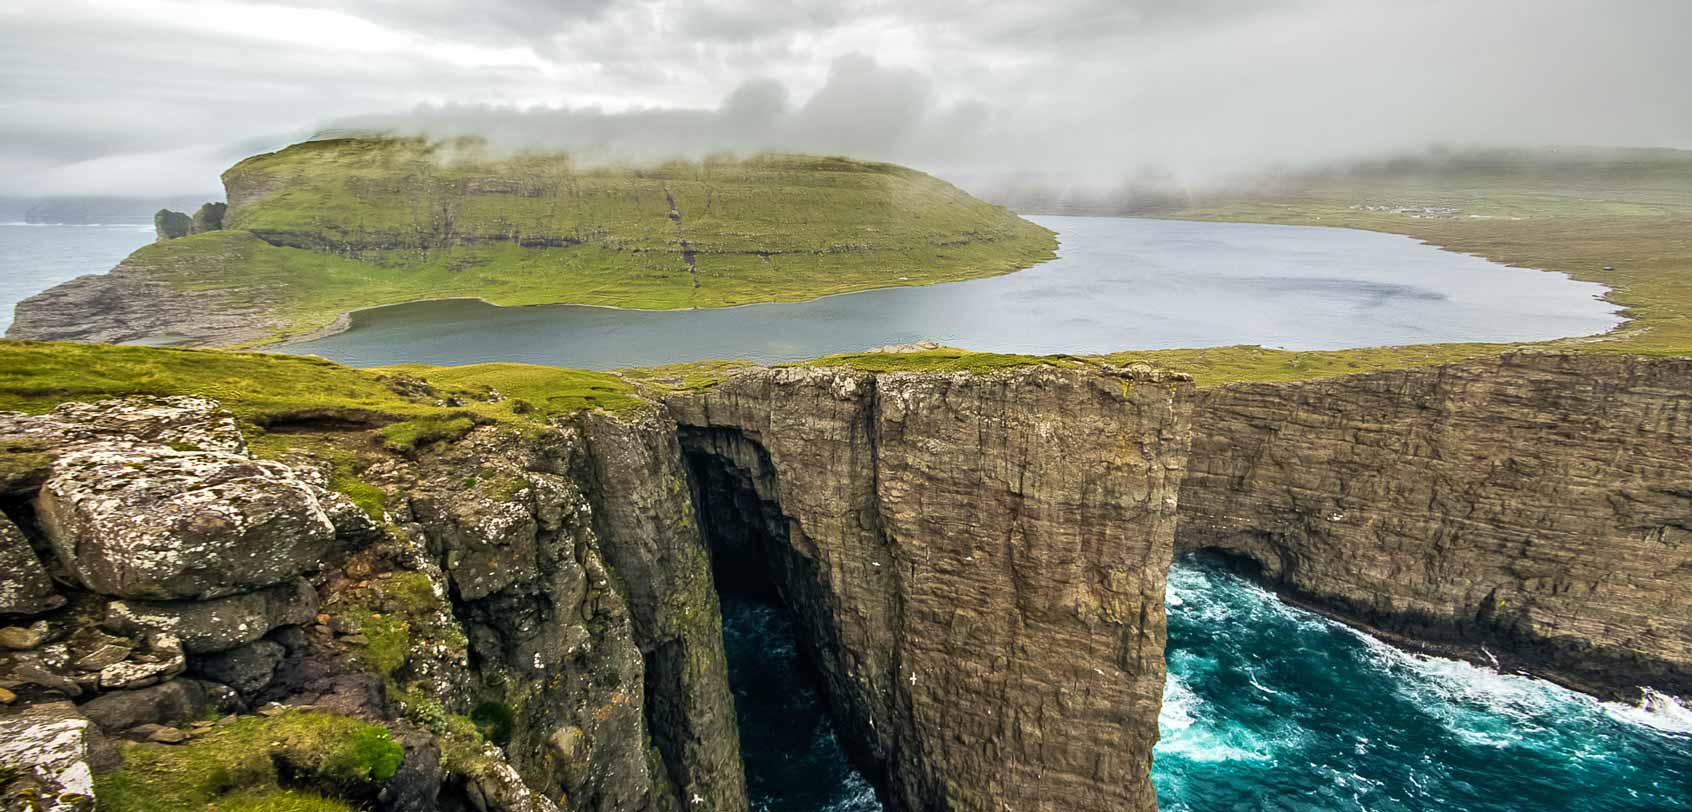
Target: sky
<point>151,97</point>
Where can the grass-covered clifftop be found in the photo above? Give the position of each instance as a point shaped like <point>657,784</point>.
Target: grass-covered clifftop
<point>323,228</point>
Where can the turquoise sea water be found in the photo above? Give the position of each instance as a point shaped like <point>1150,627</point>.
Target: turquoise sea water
<point>1273,708</point>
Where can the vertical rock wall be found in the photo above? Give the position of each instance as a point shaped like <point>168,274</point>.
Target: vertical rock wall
<point>979,561</point>
<point>1539,503</point>
<point>644,515</point>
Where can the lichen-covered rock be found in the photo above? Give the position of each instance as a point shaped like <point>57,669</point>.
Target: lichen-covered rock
<point>44,760</point>
<point>150,522</point>
<point>247,669</point>
<point>25,587</point>
<point>160,659</point>
<point>487,543</point>
<point>180,421</point>
<point>209,626</point>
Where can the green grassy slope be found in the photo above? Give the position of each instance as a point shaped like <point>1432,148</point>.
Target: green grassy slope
<point>324,227</point>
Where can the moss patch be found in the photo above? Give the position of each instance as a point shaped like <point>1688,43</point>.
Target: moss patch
<point>946,359</point>
<point>266,390</point>
<point>236,767</point>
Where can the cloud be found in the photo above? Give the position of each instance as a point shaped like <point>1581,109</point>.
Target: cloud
<point>101,95</point>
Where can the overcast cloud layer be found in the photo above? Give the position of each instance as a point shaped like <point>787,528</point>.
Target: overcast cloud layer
<point>157,97</point>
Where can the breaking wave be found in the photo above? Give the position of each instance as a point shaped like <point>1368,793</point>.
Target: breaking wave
<point>1270,707</point>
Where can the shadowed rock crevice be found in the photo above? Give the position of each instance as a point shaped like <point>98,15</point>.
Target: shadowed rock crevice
<point>976,563</point>
<point>754,560</point>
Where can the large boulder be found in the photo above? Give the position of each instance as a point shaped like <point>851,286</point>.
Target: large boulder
<point>176,702</point>
<point>247,669</point>
<point>44,755</point>
<point>152,522</point>
<point>204,627</point>
<point>25,589</point>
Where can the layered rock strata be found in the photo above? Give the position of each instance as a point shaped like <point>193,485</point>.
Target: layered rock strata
<point>1537,504</point>
<point>977,563</point>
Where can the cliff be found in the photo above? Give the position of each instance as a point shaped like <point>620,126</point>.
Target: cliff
<point>1534,504</point>
<point>977,563</point>
<point>523,616</point>
<point>334,226</point>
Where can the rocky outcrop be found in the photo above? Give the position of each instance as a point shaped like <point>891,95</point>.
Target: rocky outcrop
<point>644,514</point>
<point>209,217</point>
<point>142,301</point>
<point>1536,504</point>
<point>171,225</point>
<point>977,562</point>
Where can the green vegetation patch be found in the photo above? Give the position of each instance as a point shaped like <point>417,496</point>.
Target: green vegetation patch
<point>393,611</point>
<point>265,390</point>
<point>257,764</point>
<point>945,359</point>
<point>327,227</point>
<point>545,391</point>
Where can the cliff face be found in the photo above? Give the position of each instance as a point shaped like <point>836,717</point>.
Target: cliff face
<point>1535,503</point>
<point>977,562</point>
<point>157,296</point>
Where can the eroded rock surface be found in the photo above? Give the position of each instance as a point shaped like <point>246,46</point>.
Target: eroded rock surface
<point>26,588</point>
<point>146,521</point>
<point>44,760</point>
<point>1538,503</point>
<point>978,562</point>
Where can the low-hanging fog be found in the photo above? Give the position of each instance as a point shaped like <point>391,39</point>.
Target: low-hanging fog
<point>103,97</point>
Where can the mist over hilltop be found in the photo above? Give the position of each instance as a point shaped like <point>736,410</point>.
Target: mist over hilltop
<point>1092,92</point>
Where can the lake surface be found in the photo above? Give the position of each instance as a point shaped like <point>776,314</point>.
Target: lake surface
<point>36,257</point>
<point>1118,283</point>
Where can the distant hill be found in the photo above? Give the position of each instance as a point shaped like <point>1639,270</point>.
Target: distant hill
<point>330,226</point>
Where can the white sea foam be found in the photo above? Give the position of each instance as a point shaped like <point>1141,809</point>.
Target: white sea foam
<point>1656,710</point>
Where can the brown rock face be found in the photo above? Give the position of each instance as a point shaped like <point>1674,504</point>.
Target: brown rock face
<point>1538,503</point>
<point>977,563</point>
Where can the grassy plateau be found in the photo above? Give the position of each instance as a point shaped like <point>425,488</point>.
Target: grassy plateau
<point>326,227</point>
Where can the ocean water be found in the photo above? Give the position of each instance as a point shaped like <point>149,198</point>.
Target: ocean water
<point>1118,283</point>
<point>793,761</point>
<point>1271,708</point>
<point>36,257</point>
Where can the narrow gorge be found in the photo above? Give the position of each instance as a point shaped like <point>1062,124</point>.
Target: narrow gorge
<point>974,563</point>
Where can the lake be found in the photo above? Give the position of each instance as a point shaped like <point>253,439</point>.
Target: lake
<point>1117,284</point>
